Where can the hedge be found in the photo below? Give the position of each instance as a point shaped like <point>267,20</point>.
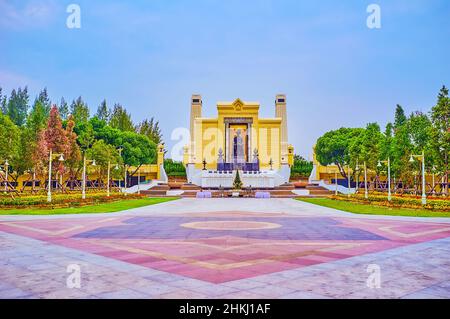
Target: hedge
<point>62,200</point>
<point>414,202</point>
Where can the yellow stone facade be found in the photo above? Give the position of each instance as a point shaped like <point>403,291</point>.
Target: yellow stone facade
<point>209,136</point>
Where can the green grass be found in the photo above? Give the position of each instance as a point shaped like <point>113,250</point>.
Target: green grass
<point>90,209</point>
<point>371,209</point>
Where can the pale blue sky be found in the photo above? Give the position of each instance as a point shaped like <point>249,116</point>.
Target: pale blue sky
<point>152,55</point>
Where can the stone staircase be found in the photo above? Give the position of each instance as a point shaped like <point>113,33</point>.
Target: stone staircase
<point>157,191</point>
<point>283,191</point>
<point>190,190</point>
<point>318,191</point>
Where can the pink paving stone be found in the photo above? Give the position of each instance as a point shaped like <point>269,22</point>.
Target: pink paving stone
<point>228,255</point>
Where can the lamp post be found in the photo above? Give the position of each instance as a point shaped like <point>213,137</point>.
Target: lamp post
<point>422,159</point>
<point>108,192</point>
<point>83,184</point>
<point>366,193</point>
<point>388,162</point>
<point>6,175</point>
<point>335,183</point>
<point>433,170</point>
<point>348,178</point>
<point>125,179</point>
<point>139,181</point>
<point>357,176</point>
<point>50,159</point>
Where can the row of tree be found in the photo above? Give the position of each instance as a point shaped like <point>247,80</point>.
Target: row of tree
<point>407,135</point>
<point>28,133</point>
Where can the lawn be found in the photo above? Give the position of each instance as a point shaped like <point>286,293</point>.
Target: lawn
<point>90,209</point>
<point>373,210</point>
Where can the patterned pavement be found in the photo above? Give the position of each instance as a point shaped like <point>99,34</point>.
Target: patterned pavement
<point>277,248</point>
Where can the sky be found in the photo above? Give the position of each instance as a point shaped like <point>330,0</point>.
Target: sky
<point>152,55</point>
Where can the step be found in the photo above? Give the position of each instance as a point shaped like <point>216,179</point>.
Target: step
<point>288,186</point>
<point>188,186</point>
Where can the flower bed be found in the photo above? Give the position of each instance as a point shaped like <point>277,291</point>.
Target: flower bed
<point>62,200</point>
<point>414,202</point>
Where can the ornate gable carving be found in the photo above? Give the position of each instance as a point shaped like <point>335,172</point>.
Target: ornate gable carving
<point>238,105</point>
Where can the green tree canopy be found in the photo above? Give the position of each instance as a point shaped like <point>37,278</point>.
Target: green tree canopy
<point>121,119</point>
<point>17,106</point>
<point>334,147</point>
<point>79,110</point>
<point>9,140</point>
<point>150,128</point>
<point>103,112</point>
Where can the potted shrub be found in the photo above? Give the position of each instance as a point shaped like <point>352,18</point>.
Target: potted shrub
<point>237,185</point>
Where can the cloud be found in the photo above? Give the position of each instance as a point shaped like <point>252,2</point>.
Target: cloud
<point>32,13</point>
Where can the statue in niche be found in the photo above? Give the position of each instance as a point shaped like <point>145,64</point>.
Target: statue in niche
<point>220,156</point>
<point>238,148</point>
<point>255,156</point>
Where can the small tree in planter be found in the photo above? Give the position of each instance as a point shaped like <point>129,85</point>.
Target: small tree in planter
<point>237,184</point>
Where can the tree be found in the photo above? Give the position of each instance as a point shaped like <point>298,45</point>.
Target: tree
<point>400,117</point>
<point>79,110</point>
<point>17,106</point>
<point>121,119</point>
<point>63,109</point>
<point>301,167</point>
<point>137,149</point>
<point>237,183</point>
<point>3,109</point>
<point>370,145</point>
<point>9,140</point>
<point>104,153</point>
<point>334,147</point>
<point>419,128</point>
<point>174,168</point>
<point>30,133</point>
<point>53,138</point>
<point>401,147</point>
<point>103,112</point>
<point>386,144</point>
<point>44,100</point>
<point>150,128</point>
<point>73,153</point>
<point>440,131</point>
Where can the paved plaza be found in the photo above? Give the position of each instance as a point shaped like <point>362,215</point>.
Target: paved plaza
<point>225,248</point>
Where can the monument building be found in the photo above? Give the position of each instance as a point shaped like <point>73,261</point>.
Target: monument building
<point>237,139</point>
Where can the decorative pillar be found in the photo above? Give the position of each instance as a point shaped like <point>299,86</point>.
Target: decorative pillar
<point>280,112</point>
<point>160,160</point>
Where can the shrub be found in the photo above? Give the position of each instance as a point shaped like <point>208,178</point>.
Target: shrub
<point>414,202</point>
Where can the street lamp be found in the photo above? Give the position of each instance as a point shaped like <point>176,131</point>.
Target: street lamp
<point>83,184</point>
<point>50,159</point>
<point>335,183</point>
<point>433,170</point>
<point>108,193</point>
<point>6,175</point>
<point>357,176</point>
<point>422,159</point>
<point>348,177</point>
<point>366,193</point>
<point>139,181</point>
<point>388,162</point>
